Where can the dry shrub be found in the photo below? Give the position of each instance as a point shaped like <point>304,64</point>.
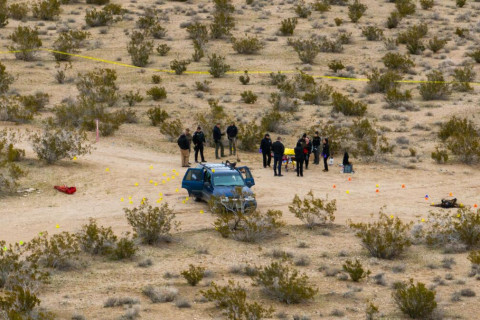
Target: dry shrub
<point>132,98</point>
<point>107,15</point>
<point>382,82</point>
<point>405,7</point>
<point>249,136</point>
<point>218,66</point>
<point>179,66</point>
<point>397,61</point>
<point>98,87</point>
<point>307,49</point>
<point>157,93</point>
<point>463,77</point>
<point>12,110</point>
<point>475,55</point>
<point>57,252</point>
<point>223,20</point>
<point>139,49</point>
<point>17,11</point>
<point>46,9</point>
<point>26,41</point>
<point>162,294</point>
<point>302,10</point>
<point>414,300</point>
<point>69,42</point>
<point>356,10</point>
<point>288,26</point>
<point>249,97</point>
<point>318,94</point>
<point>435,88</point>
<point>3,13</point>
<point>348,107</point>
<point>368,143</point>
<point>157,115</point>
<point>194,274</point>
<point>355,270</point>
<point>372,33</point>
<point>436,44</point>
<point>6,79</point>
<point>10,172</point>
<point>247,45</point>
<point>171,129</point>
<point>313,211</point>
<point>462,138</point>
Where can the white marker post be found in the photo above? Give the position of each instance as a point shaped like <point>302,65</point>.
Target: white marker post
<point>96,121</point>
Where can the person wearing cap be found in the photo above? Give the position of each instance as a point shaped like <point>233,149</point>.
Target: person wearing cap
<point>184,148</point>
<point>266,146</point>
<point>198,142</point>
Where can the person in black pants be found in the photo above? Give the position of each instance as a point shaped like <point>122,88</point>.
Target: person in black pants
<point>316,148</point>
<point>278,150</point>
<point>198,142</point>
<point>232,132</point>
<point>217,137</point>
<point>266,146</point>
<point>299,158</point>
<point>325,154</point>
<point>307,151</point>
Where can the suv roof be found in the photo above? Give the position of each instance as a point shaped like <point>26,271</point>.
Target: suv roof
<point>216,166</point>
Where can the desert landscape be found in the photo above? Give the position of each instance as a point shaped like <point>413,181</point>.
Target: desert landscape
<point>393,83</point>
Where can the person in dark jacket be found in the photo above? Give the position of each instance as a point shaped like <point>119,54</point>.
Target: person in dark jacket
<point>198,142</point>
<point>299,158</point>
<point>217,138</point>
<point>184,149</point>
<point>345,161</point>
<point>302,140</point>
<point>232,132</point>
<point>316,148</point>
<point>325,154</point>
<point>307,151</point>
<point>278,150</point>
<point>266,146</point>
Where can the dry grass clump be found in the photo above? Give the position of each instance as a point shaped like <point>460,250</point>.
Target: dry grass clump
<point>160,294</point>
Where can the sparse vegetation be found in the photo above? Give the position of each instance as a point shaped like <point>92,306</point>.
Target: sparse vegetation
<point>306,49</point>
<point>414,300</point>
<point>463,77</point>
<point>26,41</point>
<point>347,106</point>
<point>355,270</point>
<point>247,45</point>
<point>249,97</point>
<point>157,93</point>
<point>313,211</point>
<point>6,79</point>
<point>17,11</point>
<point>46,9</point>
<point>139,49</point>
<point>193,275</point>
<point>68,42</point>
<point>218,66</point>
<point>157,115</point>
<point>397,61</point>
<point>436,88</point>
<point>179,66</point>
<point>356,10</point>
<point>372,33</point>
<point>288,26</point>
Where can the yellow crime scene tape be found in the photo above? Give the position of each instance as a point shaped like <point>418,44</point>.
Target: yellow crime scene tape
<point>228,72</point>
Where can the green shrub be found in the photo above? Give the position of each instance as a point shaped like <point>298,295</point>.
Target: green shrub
<point>417,31</point>
<point>440,155</point>
<point>46,9</point>
<point>247,45</point>
<point>125,249</point>
<point>427,4</point>
<point>139,49</point>
<point>460,3</point>
<point>288,26</point>
<point>132,98</point>
<point>26,41</point>
<point>277,78</point>
<point>356,10</point>
<point>249,136</point>
<point>163,49</point>
<point>223,22</point>
<point>157,93</point>
<point>151,224</point>
<point>461,32</point>
<point>475,55</point>
<point>396,98</point>
<point>346,106</point>
<point>218,66</point>
<point>18,11</point>
<point>56,252</point>
<point>288,89</point>
<point>22,303</point>
<point>463,77</point>
<point>321,5</point>
<point>313,211</point>
<point>462,138</point>
<point>397,61</point>
<point>198,51</point>
<point>5,79</point>
<point>372,33</point>
<point>245,78</point>
<point>272,121</point>
<point>405,7</point>
<point>281,102</point>
<point>249,97</point>
<point>95,239</point>
<point>156,79</point>
<point>285,283</point>
<point>198,32</point>
<point>370,311</point>
<point>415,301</point>
<point>307,49</point>
<point>382,82</point>
<point>179,66</point>
<point>474,257</point>
<point>203,86</point>
<point>435,88</point>
<point>367,141</point>
<point>157,115</point>
<point>318,95</point>
<point>11,110</point>
<point>302,10</point>
<point>355,270</point>
<point>232,300</point>
<point>193,275</point>
<point>336,65</point>
<point>55,144</point>
<point>385,238</point>
<point>10,172</point>
<point>157,31</point>
<point>338,21</point>
<point>435,44</point>
<point>415,45</point>
<point>109,14</point>
<point>98,86</point>
<point>393,20</point>
<point>171,129</point>
<point>98,2</point>
<point>3,13</point>
<point>69,42</point>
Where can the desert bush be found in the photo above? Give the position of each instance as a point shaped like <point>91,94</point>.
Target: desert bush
<point>414,45</point>
<point>218,66</point>
<point>46,9</point>
<point>95,239</point>
<point>157,31</point>
<point>440,155</point>
<point>474,258</point>
<point>10,172</point>
<point>119,302</point>
<point>203,86</point>
<point>288,26</point>
<point>302,10</point>
<point>249,135</point>
<point>393,20</point>
<point>162,294</point>
<point>336,65</point>
<point>355,270</point>
<point>247,45</point>
<point>157,115</point>
<point>319,94</point>
<point>382,82</point>
<point>346,106</point>
<point>198,51</point>
<point>277,78</point>
<point>68,42</point>
<point>426,4</point>
<point>395,98</point>
<point>435,88</point>
<point>163,49</point>
<point>22,303</point>
<point>302,81</point>
<point>338,21</point>
<point>475,55</point>
<point>461,137</point>
<point>12,110</point>
<point>198,32</point>
<point>232,300</point>
<point>285,283</point>
<point>321,5</point>
<point>356,10</point>
<point>288,88</point>
<point>109,14</point>
<point>405,7</point>
<point>460,3</point>
<point>307,49</point>
<point>56,252</point>
<point>223,21</point>
<point>385,238</point>
<point>372,33</point>
<point>54,144</point>
<point>463,77</point>
<point>151,224</point>
<point>313,211</point>
<point>139,49</point>
<point>125,249</point>
<point>193,275</point>
<point>98,2</point>
<point>98,86</point>
<point>332,46</point>
<point>18,11</point>
<point>461,32</point>
<point>132,98</point>
<point>367,141</point>
<point>414,300</point>
<point>249,97</point>
<point>272,121</point>
<point>245,78</point>
<point>179,66</point>
<point>26,41</point>
<point>397,61</point>
<point>6,79</point>
<point>435,44</point>
<point>3,13</point>
<point>157,93</point>
<point>281,102</point>
<point>156,79</point>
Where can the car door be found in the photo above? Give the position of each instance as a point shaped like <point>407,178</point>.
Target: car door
<point>247,176</point>
<point>193,181</point>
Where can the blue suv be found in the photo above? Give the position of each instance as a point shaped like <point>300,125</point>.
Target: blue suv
<point>220,180</point>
